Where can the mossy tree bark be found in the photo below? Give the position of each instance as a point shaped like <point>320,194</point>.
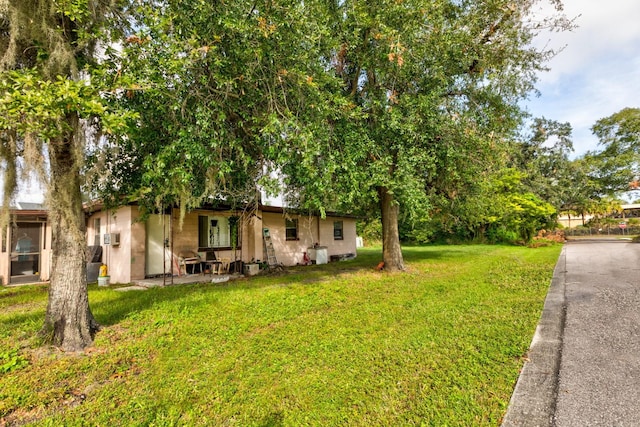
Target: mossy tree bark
<point>69,322</point>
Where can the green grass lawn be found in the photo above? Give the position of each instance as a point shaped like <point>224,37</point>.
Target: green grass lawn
<point>339,344</point>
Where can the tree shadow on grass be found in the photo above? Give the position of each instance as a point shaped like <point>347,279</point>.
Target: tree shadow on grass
<point>121,305</point>
<point>111,307</point>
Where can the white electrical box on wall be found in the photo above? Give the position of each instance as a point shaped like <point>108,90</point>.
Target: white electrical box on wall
<point>112,239</point>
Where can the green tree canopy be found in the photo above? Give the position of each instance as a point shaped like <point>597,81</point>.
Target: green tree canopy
<point>431,89</point>
<point>223,92</point>
<point>618,163</point>
<point>543,156</point>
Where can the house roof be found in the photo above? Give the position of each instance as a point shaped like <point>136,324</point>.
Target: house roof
<point>30,214</point>
<point>279,209</point>
<point>29,211</point>
<point>97,206</point>
<point>29,206</point>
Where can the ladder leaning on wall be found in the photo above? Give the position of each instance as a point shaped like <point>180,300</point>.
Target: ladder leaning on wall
<point>269,251</point>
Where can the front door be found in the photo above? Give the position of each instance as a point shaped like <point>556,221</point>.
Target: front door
<point>158,245</point>
<point>25,252</point>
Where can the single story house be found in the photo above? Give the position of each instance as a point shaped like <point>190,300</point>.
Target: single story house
<point>133,249</point>
<point>25,252</point>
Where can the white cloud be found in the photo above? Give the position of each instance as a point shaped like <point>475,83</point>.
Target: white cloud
<point>597,74</point>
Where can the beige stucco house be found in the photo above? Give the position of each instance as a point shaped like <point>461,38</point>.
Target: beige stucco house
<point>134,249</point>
<point>25,252</point>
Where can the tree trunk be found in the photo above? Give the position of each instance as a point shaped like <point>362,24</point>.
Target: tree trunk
<point>69,322</point>
<point>391,249</point>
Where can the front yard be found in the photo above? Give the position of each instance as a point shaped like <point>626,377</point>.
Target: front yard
<point>339,344</point>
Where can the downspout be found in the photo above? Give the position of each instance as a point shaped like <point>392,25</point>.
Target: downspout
<point>164,250</point>
<point>171,237</point>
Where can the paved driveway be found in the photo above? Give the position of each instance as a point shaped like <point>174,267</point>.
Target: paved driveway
<point>584,362</point>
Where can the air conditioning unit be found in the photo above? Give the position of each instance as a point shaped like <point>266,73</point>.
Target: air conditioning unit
<point>115,239</point>
<point>251,269</point>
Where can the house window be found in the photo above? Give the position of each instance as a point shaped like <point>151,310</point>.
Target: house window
<point>291,228</point>
<point>214,232</point>
<point>4,240</point>
<point>338,233</point>
<point>96,232</point>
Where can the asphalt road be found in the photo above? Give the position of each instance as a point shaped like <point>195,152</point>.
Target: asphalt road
<point>584,360</point>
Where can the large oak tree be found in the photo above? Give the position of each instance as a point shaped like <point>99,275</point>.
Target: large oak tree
<point>351,102</point>
<point>430,90</point>
<point>49,104</point>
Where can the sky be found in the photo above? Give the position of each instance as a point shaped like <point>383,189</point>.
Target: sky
<point>598,72</point>
<point>30,191</point>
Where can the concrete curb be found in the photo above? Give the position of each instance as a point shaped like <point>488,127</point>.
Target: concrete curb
<point>533,401</point>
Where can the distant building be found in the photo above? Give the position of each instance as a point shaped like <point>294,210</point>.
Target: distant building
<point>628,211</point>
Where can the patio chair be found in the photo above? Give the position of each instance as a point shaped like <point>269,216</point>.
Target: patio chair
<point>192,258</point>
<point>223,266</point>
